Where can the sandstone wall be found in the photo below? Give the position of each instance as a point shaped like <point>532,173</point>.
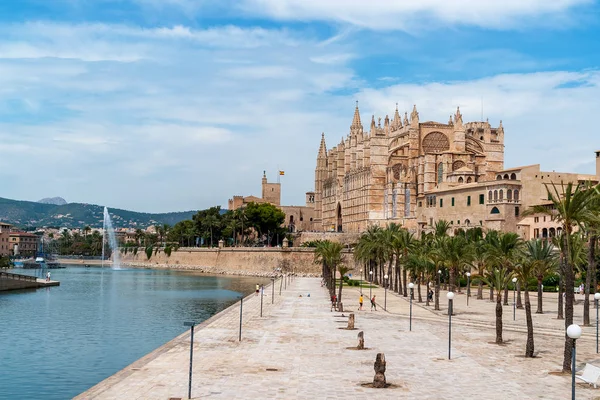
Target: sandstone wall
<point>240,261</point>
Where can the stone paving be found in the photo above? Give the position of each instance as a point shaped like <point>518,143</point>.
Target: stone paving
<point>298,351</point>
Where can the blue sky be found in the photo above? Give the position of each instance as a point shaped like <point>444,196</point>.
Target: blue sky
<point>165,105</point>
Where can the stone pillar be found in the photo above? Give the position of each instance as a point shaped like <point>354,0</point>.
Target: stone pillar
<point>351,321</point>
<point>379,379</point>
<point>285,242</point>
<point>361,341</point>
<point>221,243</point>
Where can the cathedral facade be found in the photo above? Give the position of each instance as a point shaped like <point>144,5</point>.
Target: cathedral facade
<point>388,173</point>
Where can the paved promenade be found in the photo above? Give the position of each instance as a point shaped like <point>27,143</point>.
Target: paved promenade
<point>297,351</point>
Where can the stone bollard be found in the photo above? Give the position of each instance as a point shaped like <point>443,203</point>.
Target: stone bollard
<point>351,321</point>
<point>221,243</point>
<point>361,341</point>
<point>379,379</point>
<point>285,243</point>
<point>340,307</point>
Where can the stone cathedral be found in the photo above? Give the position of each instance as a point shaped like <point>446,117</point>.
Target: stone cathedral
<point>392,172</point>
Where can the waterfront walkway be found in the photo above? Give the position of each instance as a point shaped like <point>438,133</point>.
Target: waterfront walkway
<point>298,351</point>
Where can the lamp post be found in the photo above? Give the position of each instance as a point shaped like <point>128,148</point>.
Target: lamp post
<point>468,287</point>
<point>370,284</point>
<point>272,290</point>
<point>262,291</point>
<point>191,325</point>
<point>514,281</point>
<point>385,277</point>
<point>574,332</point>
<point>596,298</point>
<point>450,296</point>
<point>241,313</point>
<point>285,281</point>
<point>361,281</point>
<point>411,286</point>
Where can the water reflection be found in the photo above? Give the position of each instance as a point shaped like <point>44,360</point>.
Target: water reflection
<point>57,342</point>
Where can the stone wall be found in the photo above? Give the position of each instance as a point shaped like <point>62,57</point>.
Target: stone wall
<point>347,239</point>
<point>237,261</point>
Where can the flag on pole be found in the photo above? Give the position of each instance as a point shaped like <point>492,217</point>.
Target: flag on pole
<point>281,173</point>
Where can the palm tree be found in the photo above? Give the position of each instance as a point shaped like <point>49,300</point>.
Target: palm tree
<point>343,270</point>
<point>524,272</point>
<point>570,208</point>
<point>592,228</point>
<point>210,221</point>
<point>330,255</point>
<point>503,254</point>
<point>457,254</point>
<point>498,279</point>
<point>541,254</point>
<point>403,243</point>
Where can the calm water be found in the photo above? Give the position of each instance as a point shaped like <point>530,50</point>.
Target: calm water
<point>57,342</point>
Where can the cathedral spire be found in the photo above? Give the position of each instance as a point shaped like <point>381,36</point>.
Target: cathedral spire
<point>397,122</point>
<point>414,116</point>
<point>356,120</point>
<point>405,118</point>
<point>322,147</point>
<point>373,123</point>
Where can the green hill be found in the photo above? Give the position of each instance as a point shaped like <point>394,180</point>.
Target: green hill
<point>76,215</point>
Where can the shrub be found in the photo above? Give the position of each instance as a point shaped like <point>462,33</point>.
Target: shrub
<point>149,252</point>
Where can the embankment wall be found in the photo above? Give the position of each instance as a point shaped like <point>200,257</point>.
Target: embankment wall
<point>235,260</point>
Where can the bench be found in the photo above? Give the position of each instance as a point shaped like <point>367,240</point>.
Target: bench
<point>590,374</point>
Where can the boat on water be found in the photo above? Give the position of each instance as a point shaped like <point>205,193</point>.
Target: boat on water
<point>43,263</point>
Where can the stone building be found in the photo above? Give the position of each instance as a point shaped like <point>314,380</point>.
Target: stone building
<point>416,173</point>
<point>24,243</point>
<point>5,247</point>
<point>297,218</point>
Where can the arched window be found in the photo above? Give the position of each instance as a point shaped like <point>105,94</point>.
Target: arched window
<point>469,180</point>
<point>495,211</point>
<point>467,222</point>
<point>460,180</point>
<point>505,176</point>
<point>552,232</point>
<point>501,194</point>
<point>516,195</point>
<point>499,177</point>
<point>509,195</point>
<point>544,233</point>
<point>440,172</point>
<point>495,195</point>
<point>513,176</point>
<point>490,196</point>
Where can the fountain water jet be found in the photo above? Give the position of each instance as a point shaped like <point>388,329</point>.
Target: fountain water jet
<point>107,228</point>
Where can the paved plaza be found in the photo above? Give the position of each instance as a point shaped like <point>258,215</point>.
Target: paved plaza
<point>298,351</point>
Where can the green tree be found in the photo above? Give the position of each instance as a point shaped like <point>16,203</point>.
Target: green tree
<point>498,279</point>
<point>571,208</point>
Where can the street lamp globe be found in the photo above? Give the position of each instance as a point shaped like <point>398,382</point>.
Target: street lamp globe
<point>439,271</point>
<point>514,280</point>
<point>468,274</point>
<point>574,331</point>
<point>370,272</point>
<point>411,285</point>
<point>450,295</point>
<point>596,296</point>
<point>385,276</point>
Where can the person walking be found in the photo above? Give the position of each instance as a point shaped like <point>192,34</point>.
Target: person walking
<point>360,303</point>
<point>48,277</point>
<point>257,289</point>
<point>373,304</point>
<point>333,303</point>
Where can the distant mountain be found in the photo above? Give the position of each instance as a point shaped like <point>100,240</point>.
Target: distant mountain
<point>76,215</point>
<point>57,201</point>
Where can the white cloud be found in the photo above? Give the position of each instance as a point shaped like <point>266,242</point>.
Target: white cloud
<point>414,15</point>
<point>546,115</point>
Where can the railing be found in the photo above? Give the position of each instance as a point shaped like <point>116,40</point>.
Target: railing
<point>18,277</point>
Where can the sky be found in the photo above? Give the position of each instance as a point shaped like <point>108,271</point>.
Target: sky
<point>168,105</point>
